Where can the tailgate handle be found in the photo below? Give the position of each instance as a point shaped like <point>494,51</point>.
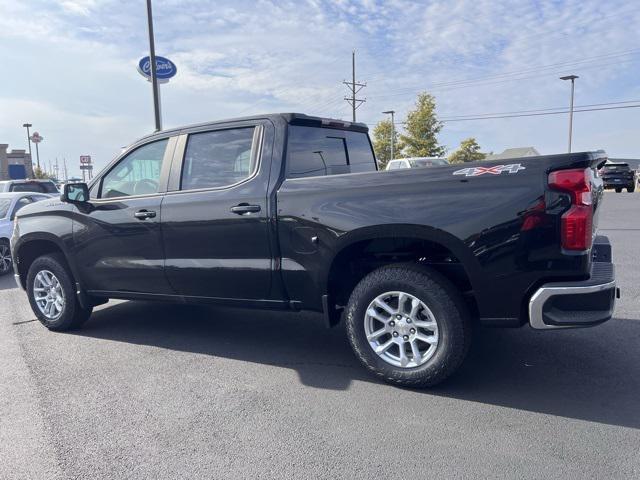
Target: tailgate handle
<point>245,208</point>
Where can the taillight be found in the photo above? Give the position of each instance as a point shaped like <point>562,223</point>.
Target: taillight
<point>577,222</point>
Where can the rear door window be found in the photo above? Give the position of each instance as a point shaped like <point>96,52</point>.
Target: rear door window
<point>316,151</point>
<point>219,158</point>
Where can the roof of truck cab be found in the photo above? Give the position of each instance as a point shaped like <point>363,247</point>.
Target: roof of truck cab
<point>291,118</point>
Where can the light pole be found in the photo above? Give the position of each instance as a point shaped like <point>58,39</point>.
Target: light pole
<point>152,69</point>
<point>27,126</point>
<point>573,83</point>
<point>393,129</point>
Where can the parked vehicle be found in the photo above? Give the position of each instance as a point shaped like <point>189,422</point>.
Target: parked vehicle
<point>29,185</point>
<point>416,162</point>
<point>288,212</point>
<point>618,176</point>
<point>10,203</point>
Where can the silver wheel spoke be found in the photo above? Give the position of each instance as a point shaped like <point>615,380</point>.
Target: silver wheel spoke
<point>384,347</point>
<point>383,305</point>
<point>376,334</point>
<point>417,356</point>
<point>372,313</point>
<point>430,340</point>
<point>423,324</point>
<point>415,307</point>
<point>402,300</point>
<point>404,360</point>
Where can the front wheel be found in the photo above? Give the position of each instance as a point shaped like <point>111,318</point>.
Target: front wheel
<point>631,189</point>
<point>618,190</point>
<point>51,292</point>
<point>408,325</point>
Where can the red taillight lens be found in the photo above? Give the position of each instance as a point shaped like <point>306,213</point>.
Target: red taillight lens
<point>577,222</point>
<point>576,227</point>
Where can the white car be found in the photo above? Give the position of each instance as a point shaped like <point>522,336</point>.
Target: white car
<point>10,203</point>
<point>416,162</point>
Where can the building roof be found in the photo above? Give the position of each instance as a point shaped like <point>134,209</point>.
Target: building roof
<point>514,153</point>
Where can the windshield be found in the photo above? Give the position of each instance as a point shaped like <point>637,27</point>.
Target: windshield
<point>5,203</point>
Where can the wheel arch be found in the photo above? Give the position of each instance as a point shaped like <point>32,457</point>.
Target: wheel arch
<point>35,245</point>
<point>365,249</point>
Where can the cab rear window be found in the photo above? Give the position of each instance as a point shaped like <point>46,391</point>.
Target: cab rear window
<point>313,152</point>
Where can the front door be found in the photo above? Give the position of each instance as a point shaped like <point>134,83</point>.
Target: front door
<point>118,243</point>
<point>215,223</point>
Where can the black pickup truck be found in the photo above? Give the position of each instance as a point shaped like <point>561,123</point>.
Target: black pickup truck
<point>290,212</point>
<point>618,175</point>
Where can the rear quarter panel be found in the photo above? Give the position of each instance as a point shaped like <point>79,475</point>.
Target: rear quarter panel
<point>482,219</point>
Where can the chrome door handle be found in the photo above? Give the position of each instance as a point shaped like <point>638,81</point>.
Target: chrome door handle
<point>144,214</point>
<point>245,208</point>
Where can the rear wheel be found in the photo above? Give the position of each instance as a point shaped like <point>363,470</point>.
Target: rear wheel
<point>618,189</point>
<point>5,257</point>
<point>408,325</point>
<point>631,189</point>
<point>51,292</point>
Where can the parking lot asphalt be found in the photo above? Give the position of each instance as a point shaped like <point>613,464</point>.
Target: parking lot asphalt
<point>160,391</point>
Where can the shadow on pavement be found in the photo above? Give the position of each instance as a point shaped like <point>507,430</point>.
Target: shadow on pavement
<point>7,281</point>
<point>591,374</point>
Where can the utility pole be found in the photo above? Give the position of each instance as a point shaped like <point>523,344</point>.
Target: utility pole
<point>152,70</point>
<point>27,125</point>
<point>64,164</point>
<point>573,83</point>
<point>393,129</point>
<point>354,88</point>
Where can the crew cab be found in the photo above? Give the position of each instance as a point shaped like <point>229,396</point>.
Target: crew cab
<point>288,211</point>
<point>618,175</point>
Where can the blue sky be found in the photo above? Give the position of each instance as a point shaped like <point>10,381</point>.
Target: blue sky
<point>69,67</point>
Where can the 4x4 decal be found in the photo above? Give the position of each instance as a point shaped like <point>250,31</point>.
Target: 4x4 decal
<point>496,170</point>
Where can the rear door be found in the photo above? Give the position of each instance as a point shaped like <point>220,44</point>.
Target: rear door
<point>117,240</point>
<point>215,218</point>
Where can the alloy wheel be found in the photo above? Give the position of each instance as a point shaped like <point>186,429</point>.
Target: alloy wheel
<point>48,294</point>
<point>401,329</point>
<point>5,259</point>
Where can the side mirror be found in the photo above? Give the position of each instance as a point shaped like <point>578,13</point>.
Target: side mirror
<point>75,193</point>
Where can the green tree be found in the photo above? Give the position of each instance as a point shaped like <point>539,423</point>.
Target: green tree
<point>382,133</point>
<point>469,151</point>
<point>39,173</point>
<point>421,130</point>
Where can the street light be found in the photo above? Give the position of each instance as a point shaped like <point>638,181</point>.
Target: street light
<point>27,126</point>
<point>573,82</point>
<point>393,129</point>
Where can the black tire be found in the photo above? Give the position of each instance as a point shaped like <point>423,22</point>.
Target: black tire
<point>72,315</point>
<point>618,189</point>
<point>444,301</point>
<point>6,264</point>
<point>631,189</point>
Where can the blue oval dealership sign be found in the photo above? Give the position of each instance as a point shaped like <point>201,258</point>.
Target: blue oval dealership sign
<point>165,68</point>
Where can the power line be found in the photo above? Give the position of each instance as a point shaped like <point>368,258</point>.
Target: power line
<point>536,113</point>
<point>450,117</point>
<point>540,114</point>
